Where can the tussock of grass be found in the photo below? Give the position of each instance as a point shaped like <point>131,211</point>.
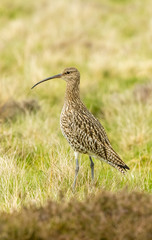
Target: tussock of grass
<point>110,43</point>
<point>104,216</point>
<point>11,109</point>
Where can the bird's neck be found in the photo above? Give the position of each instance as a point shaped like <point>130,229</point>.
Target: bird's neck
<point>72,93</point>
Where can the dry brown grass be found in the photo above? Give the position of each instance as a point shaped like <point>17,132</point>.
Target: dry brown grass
<point>105,216</point>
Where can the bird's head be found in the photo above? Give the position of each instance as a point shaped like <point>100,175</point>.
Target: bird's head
<point>70,75</point>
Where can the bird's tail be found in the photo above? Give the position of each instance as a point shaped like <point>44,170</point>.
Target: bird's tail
<point>115,161</point>
<point>121,168</point>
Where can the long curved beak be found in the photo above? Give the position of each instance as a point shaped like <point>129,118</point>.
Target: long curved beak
<point>46,79</point>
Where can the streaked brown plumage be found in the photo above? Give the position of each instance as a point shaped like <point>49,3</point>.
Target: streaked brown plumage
<point>82,130</point>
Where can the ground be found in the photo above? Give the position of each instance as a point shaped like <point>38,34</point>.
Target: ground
<point>110,43</point>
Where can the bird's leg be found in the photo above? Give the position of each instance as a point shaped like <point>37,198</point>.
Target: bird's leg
<point>92,167</point>
<point>77,168</point>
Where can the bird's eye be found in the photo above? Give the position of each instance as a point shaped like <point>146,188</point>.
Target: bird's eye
<point>68,72</point>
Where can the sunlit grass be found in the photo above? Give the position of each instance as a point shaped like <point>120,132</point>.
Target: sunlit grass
<point>110,43</point>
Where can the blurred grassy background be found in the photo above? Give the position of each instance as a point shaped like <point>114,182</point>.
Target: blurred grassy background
<point>109,41</point>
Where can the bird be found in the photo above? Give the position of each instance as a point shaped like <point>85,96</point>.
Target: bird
<point>81,128</point>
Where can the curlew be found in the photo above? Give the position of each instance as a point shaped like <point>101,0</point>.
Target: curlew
<point>82,130</point>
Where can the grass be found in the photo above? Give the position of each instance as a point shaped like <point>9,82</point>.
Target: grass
<point>110,43</point>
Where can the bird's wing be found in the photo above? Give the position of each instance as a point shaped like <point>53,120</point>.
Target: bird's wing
<point>91,133</point>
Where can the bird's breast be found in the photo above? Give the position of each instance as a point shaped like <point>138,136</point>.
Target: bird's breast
<point>66,119</point>
<point>70,128</point>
